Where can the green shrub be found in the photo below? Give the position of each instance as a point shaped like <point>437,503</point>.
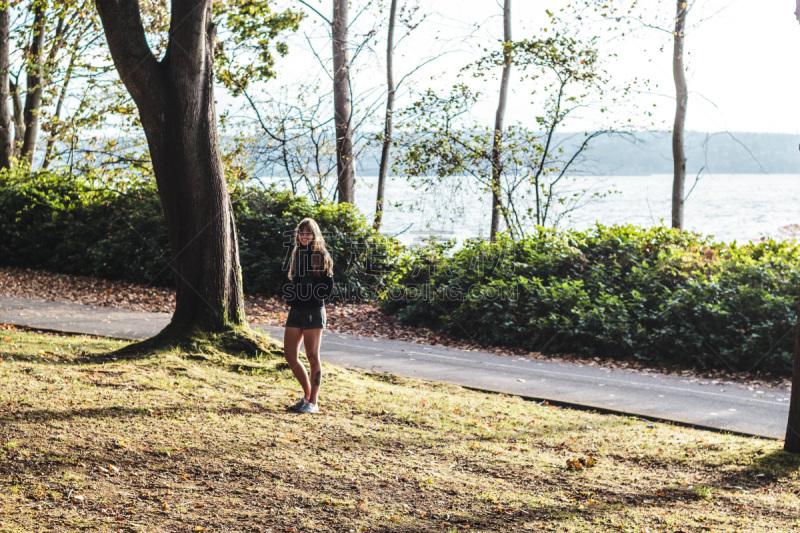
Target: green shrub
<point>68,224</point>
<point>364,260</point>
<point>655,295</point>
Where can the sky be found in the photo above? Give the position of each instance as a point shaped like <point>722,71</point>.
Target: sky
<point>742,74</point>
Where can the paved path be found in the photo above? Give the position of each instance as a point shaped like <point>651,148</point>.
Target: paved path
<point>697,402</point>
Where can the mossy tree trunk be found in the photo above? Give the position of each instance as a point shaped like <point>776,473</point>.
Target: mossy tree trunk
<point>175,100</point>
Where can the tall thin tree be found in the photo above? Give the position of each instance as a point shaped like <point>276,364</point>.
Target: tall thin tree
<point>6,135</point>
<point>681,100</point>
<point>792,441</point>
<point>497,162</point>
<point>387,129</point>
<point>342,103</point>
<point>35,79</point>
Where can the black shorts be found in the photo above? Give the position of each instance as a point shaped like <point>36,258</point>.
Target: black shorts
<point>307,318</point>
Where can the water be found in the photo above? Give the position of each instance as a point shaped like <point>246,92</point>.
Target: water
<point>730,207</point>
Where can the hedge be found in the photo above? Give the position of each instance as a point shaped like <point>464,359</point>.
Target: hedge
<point>656,295</point>
<point>68,224</point>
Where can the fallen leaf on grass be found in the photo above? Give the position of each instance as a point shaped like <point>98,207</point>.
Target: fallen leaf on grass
<point>581,463</point>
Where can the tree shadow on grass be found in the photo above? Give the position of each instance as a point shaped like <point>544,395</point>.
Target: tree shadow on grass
<point>768,469</point>
<point>449,504</point>
<point>78,358</point>
<point>40,416</point>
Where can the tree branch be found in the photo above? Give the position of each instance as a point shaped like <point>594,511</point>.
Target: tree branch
<point>320,15</point>
<point>138,67</point>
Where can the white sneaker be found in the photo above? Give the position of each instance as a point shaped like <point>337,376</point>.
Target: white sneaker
<point>308,408</point>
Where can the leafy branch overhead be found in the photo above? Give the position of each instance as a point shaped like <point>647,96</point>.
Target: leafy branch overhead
<point>246,41</point>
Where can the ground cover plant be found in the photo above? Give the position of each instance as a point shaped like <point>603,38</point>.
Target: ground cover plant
<point>190,442</point>
<point>656,295</point>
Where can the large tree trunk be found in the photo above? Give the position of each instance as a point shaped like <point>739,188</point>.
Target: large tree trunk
<point>35,79</point>
<point>387,130</point>
<point>176,105</point>
<point>6,137</point>
<point>342,104</point>
<point>497,163</point>
<point>681,99</point>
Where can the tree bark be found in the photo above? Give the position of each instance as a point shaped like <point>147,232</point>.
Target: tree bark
<point>176,104</point>
<point>387,130</point>
<point>792,442</point>
<point>497,163</point>
<point>6,138</point>
<point>342,103</point>
<point>681,100</point>
<point>35,79</point>
<point>19,121</point>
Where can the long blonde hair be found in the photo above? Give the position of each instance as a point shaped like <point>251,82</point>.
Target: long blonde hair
<point>321,261</point>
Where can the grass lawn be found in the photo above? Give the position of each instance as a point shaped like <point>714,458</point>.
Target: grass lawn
<point>183,443</point>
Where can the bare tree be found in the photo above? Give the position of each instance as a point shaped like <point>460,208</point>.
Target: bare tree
<point>345,161</point>
<point>681,100</point>
<point>497,163</point>
<point>175,100</point>
<point>387,129</point>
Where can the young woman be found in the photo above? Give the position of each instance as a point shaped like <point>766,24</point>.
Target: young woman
<point>310,286</point>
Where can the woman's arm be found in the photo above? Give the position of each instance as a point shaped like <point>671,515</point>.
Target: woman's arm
<point>327,282</point>
<point>289,292</point>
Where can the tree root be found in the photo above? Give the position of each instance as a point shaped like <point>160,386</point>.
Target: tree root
<point>237,341</point>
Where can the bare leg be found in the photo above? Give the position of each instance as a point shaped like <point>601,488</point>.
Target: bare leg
<point>312,338</point>
<point>291,350</point>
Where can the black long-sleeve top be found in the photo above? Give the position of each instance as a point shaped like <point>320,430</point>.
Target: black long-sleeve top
<point>307,289</point>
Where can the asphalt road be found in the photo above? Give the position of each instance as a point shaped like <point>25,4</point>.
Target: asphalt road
<point>697,402</point>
